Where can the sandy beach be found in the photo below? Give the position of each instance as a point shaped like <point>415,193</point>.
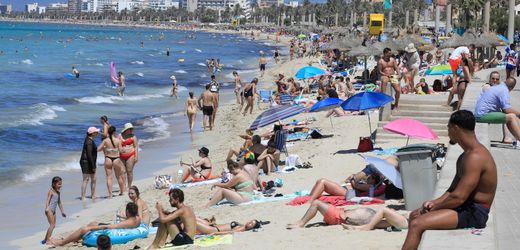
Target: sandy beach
<point>331,158</point>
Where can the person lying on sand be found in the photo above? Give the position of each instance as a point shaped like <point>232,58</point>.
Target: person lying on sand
<point>325,185</point>
<point>238,190</point>
<point>180,224</point>
<point>340,112</point>
<point>132,221</point>
<point>357,219</point>
<point>209,226</point>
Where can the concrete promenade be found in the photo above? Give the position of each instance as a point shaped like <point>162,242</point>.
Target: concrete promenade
<point>501,231</point>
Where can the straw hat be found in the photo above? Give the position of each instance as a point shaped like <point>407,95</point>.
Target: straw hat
<point>410,48</point>
<point>127,127</point>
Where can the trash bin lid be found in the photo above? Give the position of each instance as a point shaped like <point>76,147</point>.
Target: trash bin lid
<point>418,146</point>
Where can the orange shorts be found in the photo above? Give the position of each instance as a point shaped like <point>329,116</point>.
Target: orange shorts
<point>454,63</point>
<point>333,215</point>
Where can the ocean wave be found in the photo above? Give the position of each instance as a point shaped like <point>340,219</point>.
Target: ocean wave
<point>202,64</point>
<point>137,62</point>
<point>198,50</point>
<point>139,74</point>
<point>113,99</point>
<point>180,71</point>
<point>34,115</point>
<point>156,126</point>
<point>36,172</point>
<point>27,61</point>
<point>203,75</point>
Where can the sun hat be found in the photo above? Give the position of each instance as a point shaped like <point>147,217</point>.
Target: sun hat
<point>204,150</point>
<point>172,77</point>
<point>92,130</point>
<point>127,127</point>
<point>410,48</point>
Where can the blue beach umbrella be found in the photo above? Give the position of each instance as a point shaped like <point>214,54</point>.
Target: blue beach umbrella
<point>326,104</point>
<point>366,101</point>
<point>275,114</point>
<point>386,169</point>
<point>308,72</point>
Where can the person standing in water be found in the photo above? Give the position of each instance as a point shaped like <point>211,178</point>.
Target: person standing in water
<point>167,51</point>
<point>238,87</point>
<point>175,88</point>
<point>262,62</point>
<point>53,200</point>
<point>88,162</point>
<point>214,88</point>
<point>128,151</point>
<point>122,84</point>
<point>75,72</point>
<point>104,122</point>
<point>206,103</point>
<point>191,110</point>
<point>110,147</point>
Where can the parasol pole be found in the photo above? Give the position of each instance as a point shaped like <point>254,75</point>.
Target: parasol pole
<point>407,139</point>
<point>369,124</point>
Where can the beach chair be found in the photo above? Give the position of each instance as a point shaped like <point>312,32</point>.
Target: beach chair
<point>265,96</point>
<point>280,139</point>
<point>285,99</point>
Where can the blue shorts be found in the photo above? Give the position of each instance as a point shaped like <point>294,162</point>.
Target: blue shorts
<point>472,215</point>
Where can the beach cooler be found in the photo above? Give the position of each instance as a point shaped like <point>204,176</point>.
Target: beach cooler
<point>419,176</point>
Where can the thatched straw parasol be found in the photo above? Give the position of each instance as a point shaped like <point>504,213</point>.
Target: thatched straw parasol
<point>417,40</point>
<point>454,41</point>
<point>488,40</point>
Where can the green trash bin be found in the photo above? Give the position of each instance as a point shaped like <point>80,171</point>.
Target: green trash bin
<point>419,176</point>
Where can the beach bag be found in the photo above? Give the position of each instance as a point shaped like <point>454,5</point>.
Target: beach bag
<point>393,192</point>
<point>163,181</point>
<point>293,161</point>
<point>365,144</point>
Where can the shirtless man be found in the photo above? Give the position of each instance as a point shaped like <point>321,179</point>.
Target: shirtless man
<point>468,200</point>
<point>262,62</point>
<point>207,106</point>
<point>75,72</point>
<point>175,87</point>
<point>122,84</point>
<point>180,224</point>
<point>389,71</point>
<point>214,87</point>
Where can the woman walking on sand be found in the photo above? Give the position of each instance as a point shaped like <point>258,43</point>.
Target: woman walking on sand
<point>88,162</point>
<point>238,87</point>
<point>191,110</point>
<point>128,152</point>
<point>110,147</point>
<point>249,95</point>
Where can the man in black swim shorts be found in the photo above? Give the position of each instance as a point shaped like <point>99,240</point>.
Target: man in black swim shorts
<point>468,200</point>
<point>180,222</point>
<point>208,103</point>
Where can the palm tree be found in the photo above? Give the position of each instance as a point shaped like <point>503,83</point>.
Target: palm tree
<point>470,8</point>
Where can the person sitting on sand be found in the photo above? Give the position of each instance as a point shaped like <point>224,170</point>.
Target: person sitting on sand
<point>359,218</point>
<point>422,87</point>
<point>238,190</point>
<point>132,221</point>
<point>143,211</point>
<point>247,143</point>
<point>200,170</point>
<point>268,160</point>
<point>209,226</point>
<point>251,168</point>
<point>180,224</point>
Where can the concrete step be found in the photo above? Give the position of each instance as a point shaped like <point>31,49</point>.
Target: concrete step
<point>428,101</point>
<point>424,119</point>
<point>434,126</point>
<point>381,132</point>
<point>412,114</point>
<point>421,107</point>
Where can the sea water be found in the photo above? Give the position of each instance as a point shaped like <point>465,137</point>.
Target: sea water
<point>45,114</point>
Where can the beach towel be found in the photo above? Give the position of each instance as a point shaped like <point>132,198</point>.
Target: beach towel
<point>385,151</point>
<point>193,184</point>
<point>206,241</point>
<point>260,198</point>
<point>337,200</point>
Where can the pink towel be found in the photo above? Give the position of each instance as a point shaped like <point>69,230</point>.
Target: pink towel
<point>334,200</point>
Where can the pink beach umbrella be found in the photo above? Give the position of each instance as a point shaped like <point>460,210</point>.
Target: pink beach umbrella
<point>411,128</point>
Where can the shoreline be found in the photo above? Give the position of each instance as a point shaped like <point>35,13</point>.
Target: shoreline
<point>153,151</point>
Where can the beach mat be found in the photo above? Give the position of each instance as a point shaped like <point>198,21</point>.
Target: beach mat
<point>206,241</point>
<point>193,184</point>
<point>259,198</point>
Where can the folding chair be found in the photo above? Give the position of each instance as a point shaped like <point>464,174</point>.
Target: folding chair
<point>280,139</point>
<point>265,96</point>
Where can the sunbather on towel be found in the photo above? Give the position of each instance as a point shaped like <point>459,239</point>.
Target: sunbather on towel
<point>325,185</point>
<point>238,190</point>
<point>359,218</point>
<point>209,226</point>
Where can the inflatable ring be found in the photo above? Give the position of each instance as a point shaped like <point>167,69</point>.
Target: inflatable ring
<point>117,236</point>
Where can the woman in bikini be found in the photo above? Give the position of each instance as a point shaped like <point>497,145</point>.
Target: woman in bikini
<point>462,83</point>
<point>200,170</point>
<point>128,152</point>
<point>191,110</point>
<point>238,190</point>
<point>238,86</point>
<point>209,226</point>
<point>249,93</point>
<point>106,125</point>
<point>110,147</point>
<point>143,210</point>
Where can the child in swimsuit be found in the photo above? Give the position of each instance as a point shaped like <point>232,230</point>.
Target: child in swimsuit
<point>53,200</point>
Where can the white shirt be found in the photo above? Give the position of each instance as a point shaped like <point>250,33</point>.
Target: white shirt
<point>459,51</point>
